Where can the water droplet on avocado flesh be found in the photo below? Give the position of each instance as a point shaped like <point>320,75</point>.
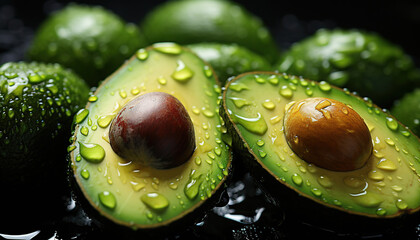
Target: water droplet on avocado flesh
<point>145,196</point>
<point>381,187</point>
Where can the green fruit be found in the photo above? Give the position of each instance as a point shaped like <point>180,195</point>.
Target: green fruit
<point>120,157</point>
<point>322,152</point>
<point>360,61</point>
<point>91,40</point>
<point>37,104</point>
<point>229,60</point>
<point>187,22</point>
<point>407,110</point>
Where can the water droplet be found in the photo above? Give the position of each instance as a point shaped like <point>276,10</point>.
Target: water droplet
<point>324,86</point>
<point>35,78</point>
<point>162,81</point>
<point>316,192</point>
<point>104,121</point>
<point>259,79</point>
<point>268,104</point>
<point>262,153</point>
<point>286,92</point>
<point>391,123</point>
<point>238,87</point>
<point>142,54</point>
<point>239,102</point>
<point>381,212</point>
<point>401,204</point>
<point>92,152</point>
<point>81,115</point>
<point>107,199</point>
<point>255,125</point>
<point>197,160</point>
<point>137,186</point>
<point>260,142</point>
<point>325,181</point>
<point>207,71</point>
<point>297,179</point>
<point>368,199</point>
<point>85,174</point>
<point>93,98</point>
<point>386,164</point>
<point>376,176</point>
<point>273,80</point>
<point>135,91</point>
<point>84,130</point>
<point>192,187</point>
<point>353,182</point>
<point>309,92</point>
<point>155,201</point>
<point>208,113</point>
<point>182,73</point>
<point>168,48</point>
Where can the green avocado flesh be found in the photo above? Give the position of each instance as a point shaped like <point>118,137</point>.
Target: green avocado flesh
<point>143,197</point>
<point>37,102</point>
<point>388,185</point>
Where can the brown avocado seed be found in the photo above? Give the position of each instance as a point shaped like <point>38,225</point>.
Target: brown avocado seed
<point>328,133</point>
<point>153,130</point>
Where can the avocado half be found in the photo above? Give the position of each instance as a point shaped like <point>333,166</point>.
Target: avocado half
<point>387,186</point>
<point>138,196</point>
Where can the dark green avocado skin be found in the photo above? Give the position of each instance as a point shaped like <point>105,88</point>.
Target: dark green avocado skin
<point>88,39</point>
<point>229,60</point>
<point>407,110</point>
<point>362,61</point>
<point>37,103</point>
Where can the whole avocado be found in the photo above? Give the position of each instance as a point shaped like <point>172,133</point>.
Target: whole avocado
<point>359,60</point>
<point>37,104</point>
<point>407,110</point>
<point>88,39</point>
<point>187,22</point>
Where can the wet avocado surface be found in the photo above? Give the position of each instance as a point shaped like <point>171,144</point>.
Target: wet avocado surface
<point>361,61</point>
<point>386,186</point>
<point>144,197</point>
<point>91,40</point>
<point>37,102</point>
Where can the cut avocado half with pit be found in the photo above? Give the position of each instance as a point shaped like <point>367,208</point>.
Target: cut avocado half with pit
<point>91,40</point>
<point>229,60</point>
<point>361,61</point>
<point>289,128</point>
<point>187,22</point>
<point>134,180</point>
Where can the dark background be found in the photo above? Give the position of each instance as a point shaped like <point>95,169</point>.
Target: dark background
<point>289,21</point>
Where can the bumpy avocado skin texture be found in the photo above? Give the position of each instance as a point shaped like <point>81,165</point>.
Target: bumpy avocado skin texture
<point>358,60</point>
<point>229,60</point>
<point>130,196</point>
<point>91,40</point>
<point>385,188</point>
<point>407,110</point>
<point>187,22</point>
<point>37,104</point>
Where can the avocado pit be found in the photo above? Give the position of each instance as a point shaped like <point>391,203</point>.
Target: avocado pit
<point>328,133</point>
<point>153,130</point>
